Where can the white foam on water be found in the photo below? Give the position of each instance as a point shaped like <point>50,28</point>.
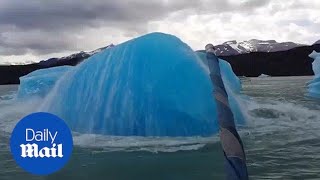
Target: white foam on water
<point>272,116</point>
<point>286,116</point>
<point>133,143</point>
<point>11,111</point>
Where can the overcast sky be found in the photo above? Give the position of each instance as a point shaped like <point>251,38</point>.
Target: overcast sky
<point>39,29</point>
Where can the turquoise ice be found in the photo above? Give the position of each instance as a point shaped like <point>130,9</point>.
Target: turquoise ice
<point>40,82</point>
<point>314,85</point>
<point>154,85</point>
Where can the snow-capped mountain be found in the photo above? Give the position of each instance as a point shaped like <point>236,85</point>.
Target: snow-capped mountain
<point>81,55</point>
<point>318,42</point>
<point>100,49</point>
<point>292,62</point>
<point>228,48</point>
<point>52,61</point>
<point>235,48</point>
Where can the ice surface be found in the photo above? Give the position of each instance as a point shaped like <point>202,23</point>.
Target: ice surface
<point>263,76</point>
<point>40,82</point>
<point>154,85</point>
<point>314,85</point>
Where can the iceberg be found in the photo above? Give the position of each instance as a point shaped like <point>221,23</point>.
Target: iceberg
<point>40,82</point>
<point>263,76</point>
<point>314,85</point>
<point>154,85</point>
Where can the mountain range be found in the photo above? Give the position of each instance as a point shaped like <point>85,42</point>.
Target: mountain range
<point>318,42</point>
<point>248,58</point>
<point>231,48</point>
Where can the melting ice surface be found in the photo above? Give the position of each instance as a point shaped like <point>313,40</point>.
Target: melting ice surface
<point>154,85</point>
<point>40,82</point>
<point>314,85</point>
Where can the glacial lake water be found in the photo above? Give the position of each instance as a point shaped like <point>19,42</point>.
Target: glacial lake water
<point>281,139</point>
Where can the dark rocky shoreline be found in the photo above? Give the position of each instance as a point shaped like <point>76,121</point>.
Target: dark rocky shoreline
<point>293,62</point>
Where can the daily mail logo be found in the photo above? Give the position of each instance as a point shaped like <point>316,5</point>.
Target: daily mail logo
<point>32,150</point>
<point>41,143</point>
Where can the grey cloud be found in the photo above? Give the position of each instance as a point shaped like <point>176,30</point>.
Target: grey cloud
<point>18,42</point>
<point>255,3</point>
<point>70,13</point>
<point>229,6</point>
<point>48,19</point>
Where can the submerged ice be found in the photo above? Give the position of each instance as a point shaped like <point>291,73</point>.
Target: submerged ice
<point>314,85</point>
<point>154,85</point>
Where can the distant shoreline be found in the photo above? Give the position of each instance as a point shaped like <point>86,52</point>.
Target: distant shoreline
<point>293,62</point>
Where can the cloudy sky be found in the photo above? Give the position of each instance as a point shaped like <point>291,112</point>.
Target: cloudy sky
<point>31,30</point>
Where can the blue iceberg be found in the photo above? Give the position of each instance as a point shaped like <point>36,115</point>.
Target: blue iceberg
<point>40,82</point>
<point>154,85</point>
<point>314,85</point>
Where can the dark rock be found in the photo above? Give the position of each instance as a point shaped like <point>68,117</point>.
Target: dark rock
<point>10,74</point>
<point>293,62</point>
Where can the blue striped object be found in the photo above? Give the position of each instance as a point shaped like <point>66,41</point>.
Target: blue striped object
<point>235,159</point>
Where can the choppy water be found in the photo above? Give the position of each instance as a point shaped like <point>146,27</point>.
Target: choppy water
<point>281,138</point>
